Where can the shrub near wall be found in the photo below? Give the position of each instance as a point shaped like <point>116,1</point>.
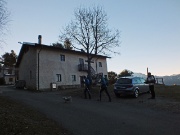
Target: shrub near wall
<point>2,81</point>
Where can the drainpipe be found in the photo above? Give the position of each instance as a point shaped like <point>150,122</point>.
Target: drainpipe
<point>39,43</point>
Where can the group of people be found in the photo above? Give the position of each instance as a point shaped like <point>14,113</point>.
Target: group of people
<point>104,83</point>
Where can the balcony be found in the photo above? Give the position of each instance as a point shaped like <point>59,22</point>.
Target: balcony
<point>83,67</point>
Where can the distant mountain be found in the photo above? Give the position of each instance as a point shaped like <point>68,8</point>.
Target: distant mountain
<point>171,80</point>
<point>168,80</point>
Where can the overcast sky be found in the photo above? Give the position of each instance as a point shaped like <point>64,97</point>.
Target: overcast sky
<point>150,30</point>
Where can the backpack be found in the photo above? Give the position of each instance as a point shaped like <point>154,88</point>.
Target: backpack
<point>87,81</point>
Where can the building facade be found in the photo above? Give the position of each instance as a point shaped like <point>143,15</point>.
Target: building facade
<point>8,74</point>
<point>40,66</point>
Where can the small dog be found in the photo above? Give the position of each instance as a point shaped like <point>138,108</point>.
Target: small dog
<point>67,99</point>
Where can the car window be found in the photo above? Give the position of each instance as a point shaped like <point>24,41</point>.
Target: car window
<point>134,81</point>
<point>142,80</point>
<point>124,81</point>
<point>138,80</point>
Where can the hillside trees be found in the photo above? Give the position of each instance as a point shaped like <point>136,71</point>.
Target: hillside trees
<point>89,32</point>
<point>67,44</point>
<point>9,59</point>
<point>125,73</point>
<point>112,76</point>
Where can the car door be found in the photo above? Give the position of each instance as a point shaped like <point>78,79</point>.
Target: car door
<point>145,87</point>
<point>139,85</point>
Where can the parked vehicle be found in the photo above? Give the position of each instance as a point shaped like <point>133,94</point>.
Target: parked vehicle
<point>130,86</point>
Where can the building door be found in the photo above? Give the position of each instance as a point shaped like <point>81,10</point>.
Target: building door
<point>82,81</point>
<point>81,61</point>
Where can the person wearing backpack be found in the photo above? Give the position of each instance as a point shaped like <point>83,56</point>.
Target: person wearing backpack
<point>104,84</point>
<point>151,81</point>
<point>87,87</point>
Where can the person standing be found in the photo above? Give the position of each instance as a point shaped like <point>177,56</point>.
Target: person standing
<point>87,87</point>
<point>104,84</point>
<point>151,81</point>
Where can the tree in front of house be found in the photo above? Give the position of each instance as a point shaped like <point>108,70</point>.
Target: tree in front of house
<point>57,44</point>
<point>125,73</point>
<point>112,76</point>
<point>9,59</point>
<point>68,44</point>
<point>89,32</point>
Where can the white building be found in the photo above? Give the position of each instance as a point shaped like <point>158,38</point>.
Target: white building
<point>41,65</point>
<point>8,74</point>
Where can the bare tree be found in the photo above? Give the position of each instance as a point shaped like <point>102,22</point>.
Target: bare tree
<point>89,31</point>
<point>4,19</point>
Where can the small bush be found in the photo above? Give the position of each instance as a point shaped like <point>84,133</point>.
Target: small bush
<point>2,81</point>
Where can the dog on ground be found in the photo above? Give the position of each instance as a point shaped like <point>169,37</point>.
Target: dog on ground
<point>67,99</point>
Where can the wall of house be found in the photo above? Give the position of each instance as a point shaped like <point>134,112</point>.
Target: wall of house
<point>51,67</point>
<point>100,68</point>
<point>27,68</point>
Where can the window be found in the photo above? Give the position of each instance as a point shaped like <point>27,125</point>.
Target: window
<point>58,77</point>
<point>30,75</point>
<point>142,80</point>
<point>81,61</point>
<point>124,81</point>
<point>100,64</point>
<point>134,81</point>
<point>10,71</point>
<point>10,79</point>
<point>62,57</point>
<point>73,77</point>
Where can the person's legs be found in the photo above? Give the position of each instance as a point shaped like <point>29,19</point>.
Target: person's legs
<point>152,91</point>
<point>85,96</point>
<point>151,87</point>
<point>100,93</point>
<point>108,94</point>
<point>89,92</point>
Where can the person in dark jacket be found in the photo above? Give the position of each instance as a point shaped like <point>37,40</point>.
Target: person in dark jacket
<point>87,87</point>
<point>104,84</point>
<point>151,81</point>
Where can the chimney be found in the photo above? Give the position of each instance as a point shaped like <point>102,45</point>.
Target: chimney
<point>39,39</point>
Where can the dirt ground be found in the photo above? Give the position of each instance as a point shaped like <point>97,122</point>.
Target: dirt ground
<point>18,119</point>
<point>167,97</point>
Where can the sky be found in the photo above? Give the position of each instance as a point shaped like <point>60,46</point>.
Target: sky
<point>150,30</point>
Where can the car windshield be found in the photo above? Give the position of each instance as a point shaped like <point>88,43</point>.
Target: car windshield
<point>124,81</point>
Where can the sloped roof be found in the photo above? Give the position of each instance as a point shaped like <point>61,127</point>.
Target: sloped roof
<point>25,47</point>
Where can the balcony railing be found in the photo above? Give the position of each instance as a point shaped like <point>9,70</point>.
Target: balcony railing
<point>83,67</point>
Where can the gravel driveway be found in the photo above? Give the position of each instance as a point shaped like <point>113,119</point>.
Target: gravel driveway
<point>90,117</point>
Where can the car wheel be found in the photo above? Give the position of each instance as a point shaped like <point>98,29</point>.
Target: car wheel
<point>117,95</point>
<point>136,93</point>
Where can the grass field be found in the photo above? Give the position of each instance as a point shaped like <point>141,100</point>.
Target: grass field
<point>170,92</point>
